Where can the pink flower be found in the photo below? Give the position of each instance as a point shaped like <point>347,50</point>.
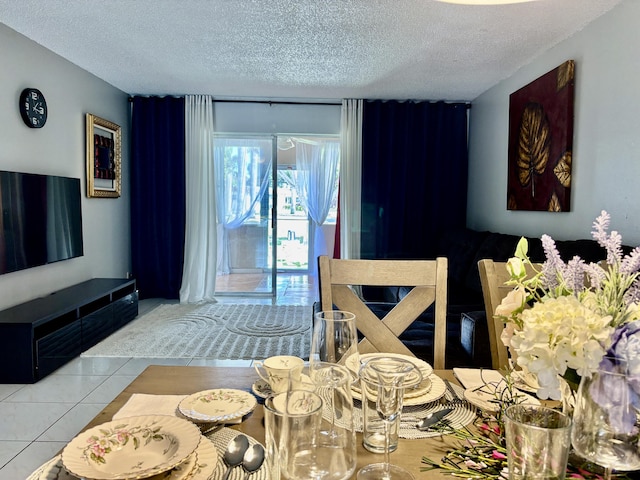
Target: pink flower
<point>477,465</point>
<point>498,455</point>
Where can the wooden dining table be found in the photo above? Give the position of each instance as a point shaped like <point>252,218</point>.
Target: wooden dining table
<point>185,380</point>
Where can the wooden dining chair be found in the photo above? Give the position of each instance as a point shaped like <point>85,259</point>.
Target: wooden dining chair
<point>339,279</point>
<point>493,276</point>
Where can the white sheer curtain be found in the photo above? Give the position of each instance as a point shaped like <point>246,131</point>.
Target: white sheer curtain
<point>243,168</point>
<point>200,255</point>
<point>350,178</point>
<point>316,183</point>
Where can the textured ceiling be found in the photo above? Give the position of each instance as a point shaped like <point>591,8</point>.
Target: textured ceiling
<point>314,49</point>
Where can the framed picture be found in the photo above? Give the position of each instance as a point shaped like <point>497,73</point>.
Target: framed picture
<point>541,142</point>
<point>104,158</point>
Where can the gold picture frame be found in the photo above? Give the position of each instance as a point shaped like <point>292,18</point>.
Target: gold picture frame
<point>104,158</point>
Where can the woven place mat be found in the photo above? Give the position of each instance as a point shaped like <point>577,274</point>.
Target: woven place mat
<point>462,415</point>
<point>221,439</point>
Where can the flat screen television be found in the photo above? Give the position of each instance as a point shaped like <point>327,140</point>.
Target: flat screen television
<point>41,220</point>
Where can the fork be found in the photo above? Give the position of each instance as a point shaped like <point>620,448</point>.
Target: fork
<point>456,400</point>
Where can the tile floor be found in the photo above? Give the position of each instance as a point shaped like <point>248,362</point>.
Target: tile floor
<point>38,420</point>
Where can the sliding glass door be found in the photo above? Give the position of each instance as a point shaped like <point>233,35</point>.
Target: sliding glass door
<point>277,205</point>
<point>245,169</point>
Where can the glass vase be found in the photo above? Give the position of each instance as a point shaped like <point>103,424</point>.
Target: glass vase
<point>605,420</point>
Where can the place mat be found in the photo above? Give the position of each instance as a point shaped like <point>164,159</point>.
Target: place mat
<point>221,439</point>
<point>462,415</point>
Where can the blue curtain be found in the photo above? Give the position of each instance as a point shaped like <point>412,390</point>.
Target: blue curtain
<point>158,195</point>
<point>414,176</point>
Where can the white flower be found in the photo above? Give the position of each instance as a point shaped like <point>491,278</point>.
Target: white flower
<point>515,267</point>
<point>514,300</point>
<point>556,334</point>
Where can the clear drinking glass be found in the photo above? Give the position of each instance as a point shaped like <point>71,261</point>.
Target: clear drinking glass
<point>296,438</point>
<point>332,382</point>
<point>335,338</point>
<point>538,442</point>
<point>605,420</point>
<point>387,377</point>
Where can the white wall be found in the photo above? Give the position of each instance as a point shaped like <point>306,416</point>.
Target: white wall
<point>277,118</point>
<point>59,149</point>
<point>606,159</point>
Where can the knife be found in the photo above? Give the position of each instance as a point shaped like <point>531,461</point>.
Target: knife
<point>433,418</point>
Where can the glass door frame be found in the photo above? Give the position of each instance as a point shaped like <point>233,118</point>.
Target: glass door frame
<point>272,222</point>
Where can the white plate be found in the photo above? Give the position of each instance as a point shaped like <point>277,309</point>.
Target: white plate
<point>462,415</point>
<point>437,390</point>
<point>353,362</point>
<point>262,388</point>
<point>207,460</point>
<point>485,398</point>
<point>131,448</point>
<point>198,466</point>
<point>217,405</point>
<point>52,470</point>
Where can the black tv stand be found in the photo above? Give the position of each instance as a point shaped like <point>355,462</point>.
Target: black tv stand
<point>41,335</point>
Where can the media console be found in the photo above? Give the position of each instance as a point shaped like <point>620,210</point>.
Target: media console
<point>41,335</point>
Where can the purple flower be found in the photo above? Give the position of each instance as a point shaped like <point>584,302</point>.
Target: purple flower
<point>615,392</point>
<point>611,242</point>
<point>596,275</point>
<point>553,267</point>
<point>575,274</point>
<point>625,347</point>
<point>625,344</point>
<point>631,263</point>
<point>633,294</point>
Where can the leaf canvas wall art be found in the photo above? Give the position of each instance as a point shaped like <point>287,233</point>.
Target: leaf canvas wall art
<point>541,142</point>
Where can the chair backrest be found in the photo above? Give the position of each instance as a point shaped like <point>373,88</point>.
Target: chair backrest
<point>338,277</point>
<point>493,276</point>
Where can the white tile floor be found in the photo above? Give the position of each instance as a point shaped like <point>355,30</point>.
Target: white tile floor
<point>38,420</point>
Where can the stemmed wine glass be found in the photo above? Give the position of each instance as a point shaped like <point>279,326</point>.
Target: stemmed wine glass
<point>605,420</point>
<point>388,377</point>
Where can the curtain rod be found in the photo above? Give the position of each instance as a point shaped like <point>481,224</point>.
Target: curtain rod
<point>269,102</point>
<point>275,102</point>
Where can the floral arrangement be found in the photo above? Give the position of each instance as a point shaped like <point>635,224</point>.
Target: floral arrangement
<point>566,317</point>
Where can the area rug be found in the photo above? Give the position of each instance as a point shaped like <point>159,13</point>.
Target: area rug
<point>214,331</point>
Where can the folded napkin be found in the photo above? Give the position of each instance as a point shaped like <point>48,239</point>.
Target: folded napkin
<point>473,378</point>
<point>145,404</point>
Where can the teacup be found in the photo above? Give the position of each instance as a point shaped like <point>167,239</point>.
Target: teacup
<point>277,370</point>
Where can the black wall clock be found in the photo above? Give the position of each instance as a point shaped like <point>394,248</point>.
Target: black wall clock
<point>33,108</point>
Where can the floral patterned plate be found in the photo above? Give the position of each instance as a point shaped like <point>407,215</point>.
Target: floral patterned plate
<point>200,465</point>
<point>217,405</point>
<point>206,462</point>
<point>262,388</point>
<point>131,448</point>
